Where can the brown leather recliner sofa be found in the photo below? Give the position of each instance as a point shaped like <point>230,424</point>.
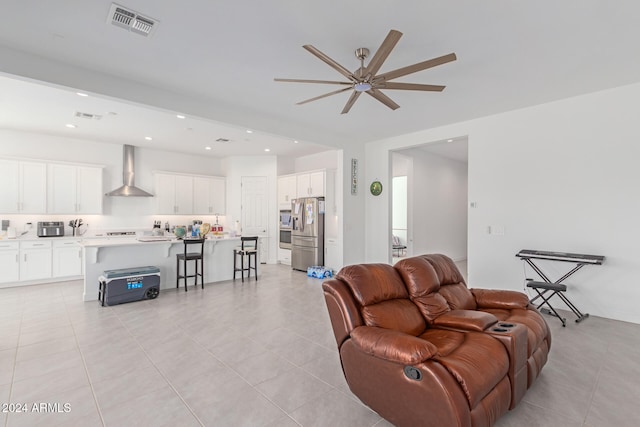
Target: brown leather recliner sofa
<point>421,349</point>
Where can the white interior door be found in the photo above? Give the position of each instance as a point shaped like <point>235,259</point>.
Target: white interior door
<point>254,211</point>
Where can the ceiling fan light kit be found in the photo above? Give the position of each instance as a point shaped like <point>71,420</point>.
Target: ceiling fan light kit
<point>366,80</point>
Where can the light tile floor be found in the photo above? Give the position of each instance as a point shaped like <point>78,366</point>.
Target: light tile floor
<point>253,354</point>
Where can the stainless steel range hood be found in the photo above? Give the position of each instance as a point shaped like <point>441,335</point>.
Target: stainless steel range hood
<point>129,188</point>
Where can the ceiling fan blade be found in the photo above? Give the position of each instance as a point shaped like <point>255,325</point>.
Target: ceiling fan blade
<point>415,68</point>
<point>333,64</point>
<point>329,82</point>
<point>352,100</point>
<point>324,96</point>
<point>410,86</point>
<point>383,98</point>
<point>383,52</point>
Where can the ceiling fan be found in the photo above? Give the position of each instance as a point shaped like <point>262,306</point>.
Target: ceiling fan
<point>366,79</point>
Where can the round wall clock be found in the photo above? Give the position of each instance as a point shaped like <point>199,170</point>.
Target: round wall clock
<point>376,188</point>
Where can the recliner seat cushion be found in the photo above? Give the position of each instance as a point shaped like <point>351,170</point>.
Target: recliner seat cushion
<point>477,361</point>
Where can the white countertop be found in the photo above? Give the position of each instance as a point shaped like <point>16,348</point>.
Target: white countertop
<point>99,242</point>
<point>96,241</point>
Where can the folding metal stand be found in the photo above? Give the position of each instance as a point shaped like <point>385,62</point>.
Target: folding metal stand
<point>556,288</point>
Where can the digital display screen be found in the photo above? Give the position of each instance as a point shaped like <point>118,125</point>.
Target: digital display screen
<point>134,285</point>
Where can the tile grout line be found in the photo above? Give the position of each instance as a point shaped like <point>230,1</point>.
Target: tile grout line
<point>15,359</point>
<point>595,386</point>
<point>238,374</point>
<point>86,370</point>
<point>160,371</point>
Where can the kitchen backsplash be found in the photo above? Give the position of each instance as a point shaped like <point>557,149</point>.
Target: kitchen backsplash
<point>97,224</point>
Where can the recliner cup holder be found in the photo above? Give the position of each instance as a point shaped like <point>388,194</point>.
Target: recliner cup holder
<point>506,325</point>
<point>500,330</point>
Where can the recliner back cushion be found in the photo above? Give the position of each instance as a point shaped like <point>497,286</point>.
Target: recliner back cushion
<point>397,314</point>
<point>383,297</point>
<point>452,285</point>
<point>423,284</point>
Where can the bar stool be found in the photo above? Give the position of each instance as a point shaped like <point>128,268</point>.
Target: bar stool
<point>190,256</point>
<point>249,249</point>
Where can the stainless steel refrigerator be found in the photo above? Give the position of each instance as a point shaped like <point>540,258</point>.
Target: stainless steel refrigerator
<point>307,232</point>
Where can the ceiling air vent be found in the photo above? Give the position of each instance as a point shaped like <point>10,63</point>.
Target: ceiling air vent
<point>131,20</point>
<point>222,140</point>
<point>88,115</point>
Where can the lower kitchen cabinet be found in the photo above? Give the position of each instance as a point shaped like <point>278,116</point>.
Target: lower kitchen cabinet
<point>9,262</point>
<point>35,260</point>
<point>67,258</point>
<point>284,256</point>
<point>38,261</point>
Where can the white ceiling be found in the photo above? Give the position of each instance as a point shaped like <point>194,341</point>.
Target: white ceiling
<point>215,61</point>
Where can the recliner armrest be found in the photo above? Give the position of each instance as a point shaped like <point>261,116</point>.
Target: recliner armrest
<point>468,320</point>
<point>393,345</point>
<point>497,298</point>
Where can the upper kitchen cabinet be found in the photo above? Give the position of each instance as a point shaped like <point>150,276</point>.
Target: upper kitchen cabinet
<point>286,191</point>
<point>74,189</point>
<point>174,194</point>
<point>209,195</point>
<point>24,187</point>
<point>310,184</point>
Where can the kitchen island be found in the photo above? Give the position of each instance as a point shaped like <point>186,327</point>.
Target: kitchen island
<point>109,254</point>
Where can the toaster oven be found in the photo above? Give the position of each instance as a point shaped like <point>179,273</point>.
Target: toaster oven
<point>50,229</point>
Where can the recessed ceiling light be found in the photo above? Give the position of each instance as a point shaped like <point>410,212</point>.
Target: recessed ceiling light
<point>148,138</point>
<point>295,142</point>
<point>267,150</point>
<point>449,140</point>
<point>249,131</point>
<point>207,148</point>
<point>69,125</point>
<point>180,116</point>
<point>81,94</point>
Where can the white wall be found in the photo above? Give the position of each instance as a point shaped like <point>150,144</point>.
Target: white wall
<point>324,160</point>
<point>561,176</point>
<point>438,190</point>
<point>352,212</point>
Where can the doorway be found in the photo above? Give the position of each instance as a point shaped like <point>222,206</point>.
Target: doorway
<point>436,203</point>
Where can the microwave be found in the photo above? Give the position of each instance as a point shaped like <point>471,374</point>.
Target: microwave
<point>285,219</point>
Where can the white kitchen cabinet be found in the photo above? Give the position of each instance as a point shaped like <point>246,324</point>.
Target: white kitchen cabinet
<point>35,260</point>
<point>284,256</point>
<point>310,184</point>
<point>263,249</point>
<point>24,187</point>
<point>89,190</point>
<point>74,189</point>
<point>286,191</point>
<point>67,258</point>
<point>174,194</point>
<point>9,262</point>
<point>165,189</point>
<point>209,195</point>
